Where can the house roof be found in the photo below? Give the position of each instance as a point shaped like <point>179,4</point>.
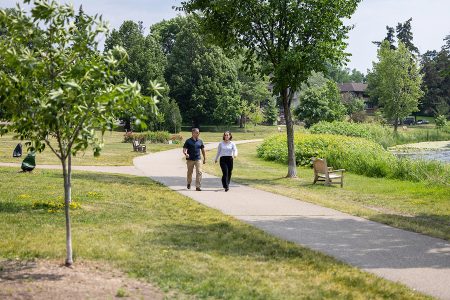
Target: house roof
<point>353,87</point>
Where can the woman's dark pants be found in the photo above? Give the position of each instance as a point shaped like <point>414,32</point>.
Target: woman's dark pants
<point>226,164</point>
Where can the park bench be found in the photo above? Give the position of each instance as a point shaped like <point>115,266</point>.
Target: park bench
<point>324,173</point>
<point>138,147</point>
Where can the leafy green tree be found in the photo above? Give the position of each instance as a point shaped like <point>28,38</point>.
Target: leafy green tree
<point>288,38</point>
<point>165,32</point>
<point>171,115</point>
<point>343,75</point>
<point>256,115</point>
<point>271,111</point>
<point>146,61</point>
<point>355,108</point>
<point>436,81</point>
<point>441,121</point>
<point>60,91</point>
<point>253,90</point>
<point>396,81</point>
<point>201,78</point>
<point>320,100</point>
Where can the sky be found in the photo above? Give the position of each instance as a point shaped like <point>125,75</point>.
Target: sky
<point>430,24</point>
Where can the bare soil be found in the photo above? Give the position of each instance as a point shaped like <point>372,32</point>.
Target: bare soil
<point>44,279</point>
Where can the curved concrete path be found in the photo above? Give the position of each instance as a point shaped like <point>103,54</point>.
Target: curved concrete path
<point>418,261</point>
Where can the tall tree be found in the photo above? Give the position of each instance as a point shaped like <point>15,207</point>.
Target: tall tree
<point>396,81</point>
<point>201,78</point>
<point>60,91</point>
<point>320,100</point>
<point>436,81</point>
<point>390,38</point>
<point>405,35</point>
<point>165,32</point>
<point>146,61</point>
<point>289,38</point>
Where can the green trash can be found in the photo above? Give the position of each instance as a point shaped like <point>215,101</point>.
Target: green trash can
<point>29,163</point>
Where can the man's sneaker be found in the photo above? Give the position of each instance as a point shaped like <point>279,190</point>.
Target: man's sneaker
<point>189,186</point>
<point>226,189</point>
<point>198,189</point>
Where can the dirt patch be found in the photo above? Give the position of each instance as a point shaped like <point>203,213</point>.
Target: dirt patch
<point>86,280</point>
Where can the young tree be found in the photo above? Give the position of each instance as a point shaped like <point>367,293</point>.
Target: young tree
<point>289,39</point>
<point>171,120</point>
<point>271,111</point>
<point>59,91</point>
<point>395,81</point>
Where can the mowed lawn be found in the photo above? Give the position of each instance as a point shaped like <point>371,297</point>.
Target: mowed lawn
<point>115,152</point>
<point>414,206</point>
<point>185,248</point>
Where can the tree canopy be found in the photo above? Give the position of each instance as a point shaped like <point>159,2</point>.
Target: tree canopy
<point>436,81</point>
<point>395,81</point>
<point>320,100</point>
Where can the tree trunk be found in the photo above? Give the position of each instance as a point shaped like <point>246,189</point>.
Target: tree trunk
<point>292,166</point>
<point>396,124</point>
<point>67,170</point>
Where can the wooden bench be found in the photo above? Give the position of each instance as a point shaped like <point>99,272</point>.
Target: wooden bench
<point>324,173</point>
<point>138,147</point>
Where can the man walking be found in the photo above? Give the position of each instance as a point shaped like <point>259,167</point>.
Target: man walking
<point>191,151</point>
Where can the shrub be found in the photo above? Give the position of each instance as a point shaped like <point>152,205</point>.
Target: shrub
<point>176,138</point>
<point>374,132</point>
<point>155,137</point>
<point>131,136</point>
<point>357,155</point>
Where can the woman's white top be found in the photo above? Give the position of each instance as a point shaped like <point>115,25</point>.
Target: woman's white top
<point>226,149</point>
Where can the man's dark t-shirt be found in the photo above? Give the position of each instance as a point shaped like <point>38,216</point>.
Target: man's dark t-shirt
<point>193,148</point>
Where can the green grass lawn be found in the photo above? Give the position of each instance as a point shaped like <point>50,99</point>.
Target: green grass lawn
<point>114,153</point>
<point>153,233</point>
<point>414,206</point>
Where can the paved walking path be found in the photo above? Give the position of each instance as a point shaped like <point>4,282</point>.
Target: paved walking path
<point>418,261</point>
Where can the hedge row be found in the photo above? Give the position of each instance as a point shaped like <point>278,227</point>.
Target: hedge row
<point>153,137</point>
<point>356,155</point>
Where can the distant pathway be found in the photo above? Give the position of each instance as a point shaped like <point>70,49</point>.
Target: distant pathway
<point>418,261</point>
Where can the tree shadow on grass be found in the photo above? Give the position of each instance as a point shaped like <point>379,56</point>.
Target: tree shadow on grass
<point>106,178</point>
<point>12,207</point>
<point>223,238</point>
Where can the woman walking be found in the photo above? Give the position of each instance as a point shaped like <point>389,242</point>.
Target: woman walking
<point>226,151</point>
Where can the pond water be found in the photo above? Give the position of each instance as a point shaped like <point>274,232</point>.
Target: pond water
<point>439,155</point>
